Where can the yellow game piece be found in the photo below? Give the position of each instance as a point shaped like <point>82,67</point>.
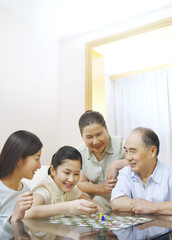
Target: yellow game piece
<point>100,216</point>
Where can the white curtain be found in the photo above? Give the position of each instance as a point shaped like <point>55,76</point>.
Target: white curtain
<point>146,100</point>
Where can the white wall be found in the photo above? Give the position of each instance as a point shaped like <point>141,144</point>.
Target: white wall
<point>43,80</point>
<point>29,88</point>
<point>73,77</point>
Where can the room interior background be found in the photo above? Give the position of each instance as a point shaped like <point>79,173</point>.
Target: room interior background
<point>137,77</point>
<point>43,77</point>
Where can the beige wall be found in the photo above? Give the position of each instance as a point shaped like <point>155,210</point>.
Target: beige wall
<point>29,76</point>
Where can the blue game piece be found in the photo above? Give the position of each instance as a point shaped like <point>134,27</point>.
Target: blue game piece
<point>103,218</point>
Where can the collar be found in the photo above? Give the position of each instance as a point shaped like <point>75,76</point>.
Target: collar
<point>157,173</point>
<point>53,184</point>
<point>108,149</point>
<point>156,176</point>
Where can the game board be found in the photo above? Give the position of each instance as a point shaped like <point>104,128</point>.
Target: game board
<point>93,221</point>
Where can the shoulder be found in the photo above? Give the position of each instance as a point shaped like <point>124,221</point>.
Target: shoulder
<point>161,165</point>
<point>45,189</point>
<point>164,167</point>
<point>116,144</point>
<point>2,186</point>
<point>44,185</point>
<point>45,182</point>
<point>117,139</point>
<point>76,190</point>
<point>5,191</point>
<point>82,147</point>
<point>75,193</point>
<point>126,171</point>
<point>83,150</point>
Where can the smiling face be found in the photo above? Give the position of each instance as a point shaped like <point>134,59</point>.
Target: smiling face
<point>29,165</point>
<point>96,137</point>
<point>67,175</point>
<point>141,159</point>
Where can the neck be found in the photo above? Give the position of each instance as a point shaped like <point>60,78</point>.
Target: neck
<point>98,155</point>
<point>146,174</point>
<point>12,182</point>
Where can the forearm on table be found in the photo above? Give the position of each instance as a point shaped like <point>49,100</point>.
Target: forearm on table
<point>121,204</point>
<point>43,211</point>
<point>162,208</point>
<point>89,187</point>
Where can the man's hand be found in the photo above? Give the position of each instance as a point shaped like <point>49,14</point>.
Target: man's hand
<point>142,206</point>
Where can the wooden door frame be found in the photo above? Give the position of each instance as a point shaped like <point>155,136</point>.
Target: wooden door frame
<point>116,37</point>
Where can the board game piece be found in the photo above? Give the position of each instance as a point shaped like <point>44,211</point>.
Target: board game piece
<point>103,218</point>
<point>100,216</point>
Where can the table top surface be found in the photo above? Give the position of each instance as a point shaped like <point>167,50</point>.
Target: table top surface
<point>160,227</point>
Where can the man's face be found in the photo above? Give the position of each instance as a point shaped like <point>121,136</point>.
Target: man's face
<point>141,159</point>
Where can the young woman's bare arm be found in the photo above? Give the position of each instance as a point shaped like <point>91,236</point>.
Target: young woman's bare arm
<point>40,210</point>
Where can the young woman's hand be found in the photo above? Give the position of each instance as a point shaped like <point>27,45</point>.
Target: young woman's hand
<point>82,206</point>
<point>24,202</point>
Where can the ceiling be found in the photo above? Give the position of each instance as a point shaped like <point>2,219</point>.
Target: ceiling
<point>61,18</point>
<point>64,18</point>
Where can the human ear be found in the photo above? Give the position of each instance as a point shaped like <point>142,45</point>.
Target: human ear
<point>52,170</point>
<point>20,162</point>
<point>107,130</point>
<point>154,151</point>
